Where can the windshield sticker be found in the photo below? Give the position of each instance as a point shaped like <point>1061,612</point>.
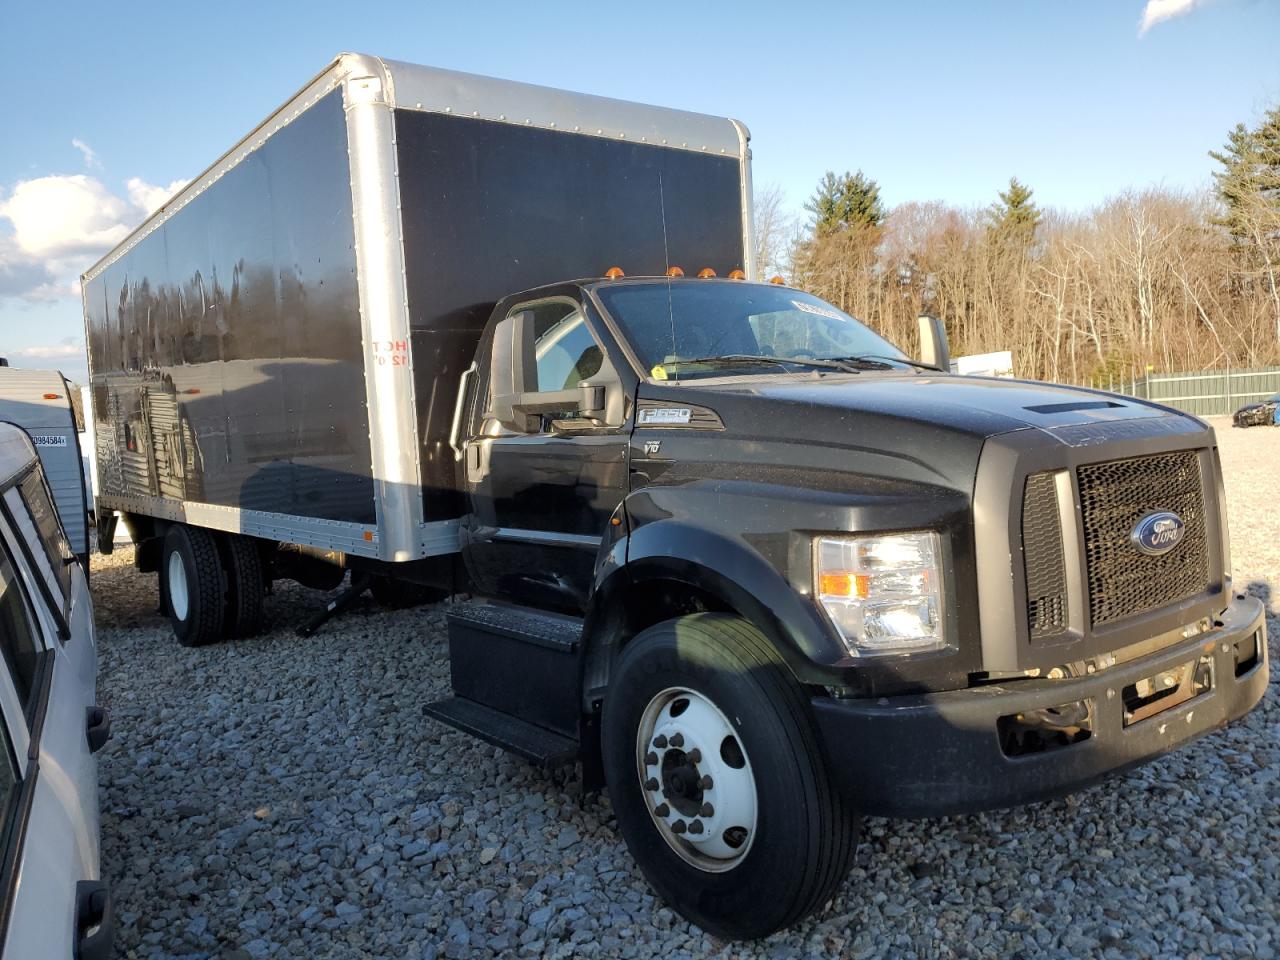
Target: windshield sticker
<point>819,311</point>
<point>656,416</point>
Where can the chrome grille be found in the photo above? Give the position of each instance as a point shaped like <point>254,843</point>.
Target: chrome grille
<point>1044,563</point>
<point>1113,497</point>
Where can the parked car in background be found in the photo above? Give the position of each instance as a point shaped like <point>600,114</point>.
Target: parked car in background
<point>52,901</point>
<point>1262,414</point>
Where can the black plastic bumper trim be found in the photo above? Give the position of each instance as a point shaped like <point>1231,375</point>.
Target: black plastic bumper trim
<point>939,754</point>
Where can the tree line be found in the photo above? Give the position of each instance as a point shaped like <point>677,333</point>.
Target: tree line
<point>1153,279</point>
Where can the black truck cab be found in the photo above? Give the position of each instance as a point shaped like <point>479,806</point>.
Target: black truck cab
<point>736,552</point>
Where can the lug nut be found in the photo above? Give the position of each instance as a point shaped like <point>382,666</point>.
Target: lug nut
<point>662,810</point>
<point>695,755</point>
<point>660,742</point>
<point>678,827</point>
<point>651,759</point>
<point>706,783</point>
<point>707,810</point>
<point>651,784</point>
<point>677,739</point>
<point>695,827</point>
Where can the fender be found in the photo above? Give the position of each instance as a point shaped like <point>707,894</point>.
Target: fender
<point>723,566</point>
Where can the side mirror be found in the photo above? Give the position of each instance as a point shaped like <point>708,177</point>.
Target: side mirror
<point>512,369</point>
<point>933,343</point>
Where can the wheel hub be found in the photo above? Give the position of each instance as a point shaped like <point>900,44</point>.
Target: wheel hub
<point>697,782</point>
<point>179,598</point>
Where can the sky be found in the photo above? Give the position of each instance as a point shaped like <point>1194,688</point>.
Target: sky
<point>108,108</point>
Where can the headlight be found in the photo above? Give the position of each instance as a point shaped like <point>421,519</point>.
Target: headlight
<point>883,592</point>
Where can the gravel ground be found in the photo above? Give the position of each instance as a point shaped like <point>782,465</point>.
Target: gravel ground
<point>280,797</point>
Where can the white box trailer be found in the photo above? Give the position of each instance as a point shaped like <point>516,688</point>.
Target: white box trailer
<point>40,402</point>
<point>277,350</point>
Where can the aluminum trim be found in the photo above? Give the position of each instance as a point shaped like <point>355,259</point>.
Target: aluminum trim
<point>749,265</point>
<point>439,537</point>
<point>384,315</point>
<point>416,87</point>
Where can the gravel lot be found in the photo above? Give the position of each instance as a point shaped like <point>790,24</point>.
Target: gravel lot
<point>280,797</point>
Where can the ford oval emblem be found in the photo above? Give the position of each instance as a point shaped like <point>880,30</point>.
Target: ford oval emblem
<point>1158,533</point>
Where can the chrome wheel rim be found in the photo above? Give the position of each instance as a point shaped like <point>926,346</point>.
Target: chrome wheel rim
<point>179,598</point>
<point>696,779</point>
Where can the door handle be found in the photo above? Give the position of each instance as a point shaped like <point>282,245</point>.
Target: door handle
<point>95,921</point>
<point>458,404</point>
<point>98,728</point>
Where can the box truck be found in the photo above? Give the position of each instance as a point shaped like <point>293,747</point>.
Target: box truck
<point>750,565</point>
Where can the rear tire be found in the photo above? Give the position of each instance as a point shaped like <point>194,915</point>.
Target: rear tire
<point>396,594</point>
<point>792,837</point>
<point>194,589</point>
<point>245,611</point>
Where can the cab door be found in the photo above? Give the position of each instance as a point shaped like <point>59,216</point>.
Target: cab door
<point>543,475</point>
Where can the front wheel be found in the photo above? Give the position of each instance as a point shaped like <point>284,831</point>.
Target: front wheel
<point>717,779</point>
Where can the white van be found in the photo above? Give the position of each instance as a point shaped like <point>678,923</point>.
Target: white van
<point>52,901</point>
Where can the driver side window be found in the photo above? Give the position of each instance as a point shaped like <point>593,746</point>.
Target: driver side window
<point>564,350</point>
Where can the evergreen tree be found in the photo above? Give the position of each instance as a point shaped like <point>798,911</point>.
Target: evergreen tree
<point>841,202</point>
<point>1014,217</point>
<point>1249,181</point>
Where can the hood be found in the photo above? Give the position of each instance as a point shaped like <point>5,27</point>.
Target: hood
<point>977,406</point>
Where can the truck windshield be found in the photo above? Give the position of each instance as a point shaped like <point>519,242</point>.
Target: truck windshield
<point>687,328</point>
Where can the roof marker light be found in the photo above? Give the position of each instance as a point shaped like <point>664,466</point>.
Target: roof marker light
<point>674,272</point>
<point>777,280</point>
<point>737,275</point>
<point>613,273</point>
<point>706,273</point>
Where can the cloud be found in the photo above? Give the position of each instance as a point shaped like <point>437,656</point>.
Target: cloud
<point>1158,11</point>
<point>61,224</point>
<point>58,217</point>
<point>65,349</point>
<point>146,196</point>
<point>90,157</point>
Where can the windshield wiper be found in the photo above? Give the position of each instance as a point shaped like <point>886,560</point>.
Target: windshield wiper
<point>737,359</point>
<point>885,361</point>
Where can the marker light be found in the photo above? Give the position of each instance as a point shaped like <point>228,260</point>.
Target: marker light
<point>737,275</point>
<point>674,272</point>
<point>706,273</point>
<point>613,273</point>
<point>882,592</point>
<point>777,280</point>
<point>53,396</point>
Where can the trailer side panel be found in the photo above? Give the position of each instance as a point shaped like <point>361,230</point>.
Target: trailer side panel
<point>225,347</point>
<point>492,207</point>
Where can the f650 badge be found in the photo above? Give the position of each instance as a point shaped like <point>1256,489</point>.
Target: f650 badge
<point>1158,533</point>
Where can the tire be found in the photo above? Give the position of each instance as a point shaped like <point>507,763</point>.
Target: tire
<point>398,594</point>
<point>245,611</point>
<point>194,587</point>
<point>794,856</point>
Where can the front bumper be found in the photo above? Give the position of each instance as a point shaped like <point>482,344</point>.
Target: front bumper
<point>939,754</point>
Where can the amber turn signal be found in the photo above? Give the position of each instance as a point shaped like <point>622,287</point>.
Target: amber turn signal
<point>674,272</point>
<point>613,273</point>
